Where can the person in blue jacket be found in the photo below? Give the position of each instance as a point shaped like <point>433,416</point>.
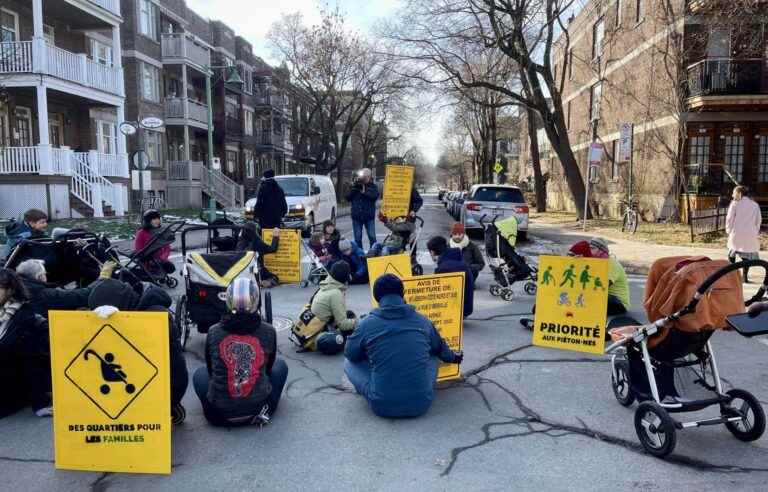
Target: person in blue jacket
<point>363,196</point>
<point>449,260</point>
<point>355,258</point>
<point>392,356</point>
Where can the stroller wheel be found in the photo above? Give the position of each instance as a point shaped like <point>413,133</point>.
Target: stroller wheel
<point>620,382</point>
<point>182,320</point>
<point>743,404</point>
<point>655,429</point>
<point>495,290</point>
<point>530,288</point>
<point>508,295</point>
<point>303,284</point>
<point>171,282</point>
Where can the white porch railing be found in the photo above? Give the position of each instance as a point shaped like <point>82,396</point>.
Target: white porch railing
<point>178,107</point>
<point>16,57</point>
<point>81,187</point>
<point>61,161</point>
<point>110,5</point>
<point>19,160</point>
<point>178,45</point>
<point>114,165</point>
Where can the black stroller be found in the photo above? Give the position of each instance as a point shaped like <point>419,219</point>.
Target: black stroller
<point>221,239</point>
<point>409,230</point>
<point>142,265</point>
<point>507,265</point>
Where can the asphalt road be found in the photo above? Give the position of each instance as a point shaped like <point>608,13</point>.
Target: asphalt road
<point>523,418</point>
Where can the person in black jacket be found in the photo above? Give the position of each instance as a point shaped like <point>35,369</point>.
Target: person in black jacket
<point>25,364</point>
<point>362,197</point>
<point>449,260</point>
<point>243,380</point>
<point>271,206</point>
<point>109,296</point>
<point>250,240</point>
<point>416,202</point>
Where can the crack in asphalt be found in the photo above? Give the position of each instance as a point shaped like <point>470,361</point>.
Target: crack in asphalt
<point>24,460</point>
<point>100,483</point>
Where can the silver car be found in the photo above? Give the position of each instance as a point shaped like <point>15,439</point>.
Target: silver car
<point>491,201</point>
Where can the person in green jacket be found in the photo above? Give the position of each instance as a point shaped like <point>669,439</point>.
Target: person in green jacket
<point>329,306</point>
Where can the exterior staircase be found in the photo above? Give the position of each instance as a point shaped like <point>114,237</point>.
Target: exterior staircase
<point>91,194</point>
<point>189,185</point>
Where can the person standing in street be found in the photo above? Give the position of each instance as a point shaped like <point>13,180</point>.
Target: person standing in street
<point>271,206</point>
<point>743,227</point>
<point>469,250</point>
<point>362,197</point>
<point>450,260</point>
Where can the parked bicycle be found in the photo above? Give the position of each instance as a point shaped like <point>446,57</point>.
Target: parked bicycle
<point>630,217</point>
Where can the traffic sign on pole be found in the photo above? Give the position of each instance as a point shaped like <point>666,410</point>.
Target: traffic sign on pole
<point>625,142</point>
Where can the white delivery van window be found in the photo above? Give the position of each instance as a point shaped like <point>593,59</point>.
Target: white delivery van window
<point>294,186</point>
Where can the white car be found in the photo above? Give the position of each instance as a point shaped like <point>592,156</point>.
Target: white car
<point>311,201</point>
<point>491,200</point>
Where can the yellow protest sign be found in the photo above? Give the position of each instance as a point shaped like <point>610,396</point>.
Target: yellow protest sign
<point>111,392</point>
<point>398,184</point>
<point>399,265</point>
<point>286,262</point>
<point>441,299</point>
<point>571,304</point>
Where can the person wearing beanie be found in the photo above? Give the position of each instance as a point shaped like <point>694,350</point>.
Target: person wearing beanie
<point>270,206</point>
<point>469,250</point>
<point>353,256</point>
<point>332,238</point>
<point>151,225</point>
<point>580,249</point>
<point>393,355</point>
<point>450,260</point>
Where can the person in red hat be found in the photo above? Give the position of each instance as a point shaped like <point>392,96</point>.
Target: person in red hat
<point>581,249</point>
<point>469,250</point>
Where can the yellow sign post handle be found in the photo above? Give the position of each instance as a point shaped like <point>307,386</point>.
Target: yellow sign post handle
<point>441,299</point>
<point>286,262</point>
<point>571,304</point>
<point>398,184</point>
<point>111,392</point>
<point>399,265</point>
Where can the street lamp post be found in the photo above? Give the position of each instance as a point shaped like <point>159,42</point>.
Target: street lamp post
<point>233,77</point>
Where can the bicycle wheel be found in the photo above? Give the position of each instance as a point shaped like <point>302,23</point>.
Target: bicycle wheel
<point>629,222</point>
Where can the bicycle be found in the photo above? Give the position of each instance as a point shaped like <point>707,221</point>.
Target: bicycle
<point>630,218</point>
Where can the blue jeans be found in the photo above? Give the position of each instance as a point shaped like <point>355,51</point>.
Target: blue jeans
<point>201,380</point>
<point>370,227</point>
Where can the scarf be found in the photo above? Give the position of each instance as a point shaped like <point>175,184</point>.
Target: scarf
<point>7,311</point>
<point>461,244</point>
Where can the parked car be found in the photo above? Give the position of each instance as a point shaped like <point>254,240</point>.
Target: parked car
<point>311,201</point>
<point>491,201</point>
<point>458,204</point>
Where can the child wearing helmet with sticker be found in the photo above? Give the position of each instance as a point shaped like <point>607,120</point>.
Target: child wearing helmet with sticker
<point>243,380</point>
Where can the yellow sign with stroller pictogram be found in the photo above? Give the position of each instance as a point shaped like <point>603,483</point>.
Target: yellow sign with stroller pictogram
<point>111,387</point>
<point>286,262</point>
<point>396,196</point>
<point>399,265</point>
<point>571,304</point>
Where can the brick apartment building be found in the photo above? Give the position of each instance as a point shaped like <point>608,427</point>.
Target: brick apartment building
<point>61,80</point>
<point>619,71</point>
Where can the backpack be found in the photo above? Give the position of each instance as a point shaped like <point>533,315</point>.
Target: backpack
<point>305,329</point>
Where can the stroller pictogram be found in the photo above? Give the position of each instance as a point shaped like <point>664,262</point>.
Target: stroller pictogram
<point>110,372</point>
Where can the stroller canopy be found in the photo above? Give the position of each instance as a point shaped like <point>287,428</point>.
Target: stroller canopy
<point>508,229</point>
<point>218,269</point>
<point>672,283</point>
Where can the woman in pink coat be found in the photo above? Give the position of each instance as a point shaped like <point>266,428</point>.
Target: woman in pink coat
<point>743,228</point>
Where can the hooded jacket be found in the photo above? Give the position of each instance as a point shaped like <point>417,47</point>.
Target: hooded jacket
<point>356,261</point>
<point>15,232</point>
<point>452,261</point>
<point>416,201</point>
<point>398,342</point>
<point>363,200</point>
<point>240,351</point>
<point>271,206</point>
<point>470,253</point>
<point>43,298</point>
<point>329,305</point>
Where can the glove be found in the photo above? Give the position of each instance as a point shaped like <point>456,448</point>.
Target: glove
<point>104,312</point>
<point>458,357</point>
<point>382,217</point>
<point>107,269</point>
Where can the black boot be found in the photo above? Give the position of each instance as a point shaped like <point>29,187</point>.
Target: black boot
<point>746,275</point>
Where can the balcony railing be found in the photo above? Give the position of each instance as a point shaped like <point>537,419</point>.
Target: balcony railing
<point>110,5</point>
<point>58,161</point>
<point>185,171</point>
<point>177,107</point>
<point>19,160</point>
<point>179,46</point>
<point>727,76</point>
<point>270,139</point>
<point>16,57</point>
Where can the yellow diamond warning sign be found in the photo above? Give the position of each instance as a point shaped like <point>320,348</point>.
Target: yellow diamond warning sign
<point>125,371</point>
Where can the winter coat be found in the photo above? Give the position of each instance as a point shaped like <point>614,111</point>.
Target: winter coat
<point>356,261</point>
<point>470,253</point>
<point>250,240</point>
<point>416,201</point>
<point>143,236</point>
<point>329,305</point>
<point>321,251</point>
<point>332,243</point>
<point>363,199</point>
<point>240,351</point>
<point>743,226</point>
<point>43,298</point>
<point>271,206</point>
<point>16,232</point>
<point>452,261</point>
<point>399,343</point>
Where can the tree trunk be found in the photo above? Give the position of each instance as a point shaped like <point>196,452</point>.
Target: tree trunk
<point>538,178</point>
<point>558,137</point>
<point>494,144</point>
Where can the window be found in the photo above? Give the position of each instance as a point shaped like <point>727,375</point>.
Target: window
<point>762,159</point>
<point>639,10</point>
<point>23,132</point>
<point>231,106</point>
<point>568,116</point>
<point>500,195</point>
<point>152,146</point>
<point>56,130</point>
<point>734,156</point>
<point>106,139</point>
<point>617,12</point>
<point>247,75</point>
<point>9,25</point>
<point>101,53</point>
<point>598,35</point>
<point>698,154</point>
<point>150,82</point>
<point>147,19</point>
<point>250,171</point>
<point>570,64</point>
<point>248,122</point>
<point>231,161</point>
<point>596,94</point>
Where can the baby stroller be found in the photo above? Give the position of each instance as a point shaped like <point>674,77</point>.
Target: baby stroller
<point>669,365</point>
<point>142,265</point>
<point>221,242</point>
<point>507,265</point>
<point>317,271</point>
<point>206,278</point>
<point>409,230</point>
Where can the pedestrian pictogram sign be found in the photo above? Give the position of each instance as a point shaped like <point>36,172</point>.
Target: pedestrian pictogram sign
<point>498,168</point>
<point>399,265</point>
<point>286,262</point>
<point>396,196</point>
<point>571,304</point>
<point>111,388</point>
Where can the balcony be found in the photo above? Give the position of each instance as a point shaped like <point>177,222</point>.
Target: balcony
<point>269,139</point>
<point>59,161</point>
<point>24,57</point>
<point>183,111</point>
<point>179,48</point>
<point>112,6</point>
<point>727,83</point>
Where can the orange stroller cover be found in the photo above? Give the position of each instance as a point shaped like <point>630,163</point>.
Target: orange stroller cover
<point>672,284</point>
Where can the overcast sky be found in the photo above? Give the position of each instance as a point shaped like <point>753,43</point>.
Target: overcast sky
<point>252,20</point>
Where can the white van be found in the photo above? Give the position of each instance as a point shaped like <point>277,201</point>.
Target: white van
<point>311,201</point>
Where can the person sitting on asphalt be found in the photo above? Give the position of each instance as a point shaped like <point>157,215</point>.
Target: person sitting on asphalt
<point>109,296</point>
<point>402,228</point>
<point>242,380</point>
<point>151,225</point>
<point>271,206</point>
<point>355,258</point>
<point>449,260</point>
<point>250,240</point>
<point>43,298</point>
<point>469,250</point>
<point>391,358</point>
<point>319,247</point>
<point>332,238</point>
<point>580,249</point>
<point>25,366</point>
<point>618,285</point>
<point>32,227</point>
